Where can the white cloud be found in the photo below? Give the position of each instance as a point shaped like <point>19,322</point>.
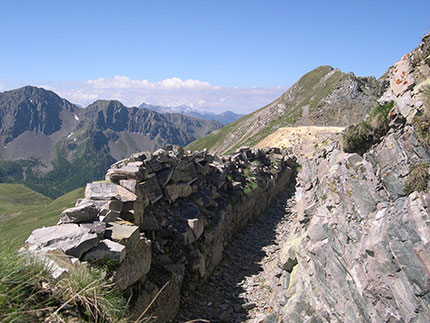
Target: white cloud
<point>168,92</point>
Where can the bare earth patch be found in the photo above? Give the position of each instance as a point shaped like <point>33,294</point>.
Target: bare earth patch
<point>302,140</point>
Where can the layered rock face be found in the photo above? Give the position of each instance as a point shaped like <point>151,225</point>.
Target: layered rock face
<point>359,250</point>
<point>161,220</point>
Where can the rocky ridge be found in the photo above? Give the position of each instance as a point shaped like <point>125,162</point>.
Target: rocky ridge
<point>162,220</point>
<point>323,97</point>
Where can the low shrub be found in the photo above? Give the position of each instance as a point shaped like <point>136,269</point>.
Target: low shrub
<point>359,138</point>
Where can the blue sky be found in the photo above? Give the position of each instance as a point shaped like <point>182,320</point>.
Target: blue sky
<point>235,55</point>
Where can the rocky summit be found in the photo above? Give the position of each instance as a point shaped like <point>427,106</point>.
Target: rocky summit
<point>261,235</point>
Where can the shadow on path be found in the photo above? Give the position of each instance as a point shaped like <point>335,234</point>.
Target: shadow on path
<point>223,296</point>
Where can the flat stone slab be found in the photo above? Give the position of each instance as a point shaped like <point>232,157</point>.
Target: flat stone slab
<point>82,213</point>
<point>70,237</point>
<point>106,250</point>
<point>127,235</point>
<point>108,191</point>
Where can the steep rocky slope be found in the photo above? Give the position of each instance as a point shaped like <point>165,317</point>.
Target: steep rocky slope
<point>53,146</point>
<point>322,97</point>
<point>358,251</point>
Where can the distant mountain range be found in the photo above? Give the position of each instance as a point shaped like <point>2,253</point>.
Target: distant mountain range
<point>53,146</point>
<point>225,117</point>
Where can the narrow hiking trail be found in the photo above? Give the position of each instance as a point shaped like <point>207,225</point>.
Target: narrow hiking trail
<point>240,287</point>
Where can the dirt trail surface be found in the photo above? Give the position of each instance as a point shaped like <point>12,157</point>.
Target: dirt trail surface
<point>302,140</point>
<point>239,288</point>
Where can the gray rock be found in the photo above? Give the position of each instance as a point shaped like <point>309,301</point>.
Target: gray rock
<point>109,216</point>
<point>70,237</point>
<point>96,227</point>
<point>82,213</point>
<point>174,191</point>
<point>151,189</point>
<point>108,191</point>
<point>125,234</point>
<point>106,250</point>
<point>126,172</point>
<point>135,265</point>
<point>197,226</point>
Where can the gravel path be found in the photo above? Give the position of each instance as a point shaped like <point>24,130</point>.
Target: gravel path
<point>239,288</point>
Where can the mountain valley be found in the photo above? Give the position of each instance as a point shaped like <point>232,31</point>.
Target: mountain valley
<point>314,208</point>
<point>53,146</point>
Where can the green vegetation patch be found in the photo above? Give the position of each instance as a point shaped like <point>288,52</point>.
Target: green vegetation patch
<point>360,137</point>
<point>216,137</point>
<point>23,210</point>
<point>21,279</point>
<point>29,294</point>
<point>422,123</point>
<point>88,164</point>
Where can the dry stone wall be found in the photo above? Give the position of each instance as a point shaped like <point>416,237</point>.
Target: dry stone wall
<point>161,220</point>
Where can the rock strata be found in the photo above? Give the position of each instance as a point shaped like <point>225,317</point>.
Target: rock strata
<point>358,251</point>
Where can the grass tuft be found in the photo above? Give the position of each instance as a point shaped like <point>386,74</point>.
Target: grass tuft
<point>29,294</point>
<point>23,297</point>
<point>418,178</point>
<point>89,290</point>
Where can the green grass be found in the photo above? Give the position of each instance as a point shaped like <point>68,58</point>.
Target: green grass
<point>250,187</point>
<point>216,137</point>
<point>21,278</point>
<point>22,210</point>
<point>29,294</point>
<point>422,123</point>
<point>360,137</point>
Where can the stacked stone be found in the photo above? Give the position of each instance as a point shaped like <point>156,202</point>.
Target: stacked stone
<point>152,210</point>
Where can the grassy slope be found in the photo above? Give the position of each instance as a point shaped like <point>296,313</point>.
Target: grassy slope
<point>307,91</point>
<point>22,210</point>
<point>217,136</point>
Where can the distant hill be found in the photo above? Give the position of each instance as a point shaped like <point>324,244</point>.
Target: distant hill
<point>225,118</point>
<point>323,97</point>
<point>30,209</point>
<point>53,146</point>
